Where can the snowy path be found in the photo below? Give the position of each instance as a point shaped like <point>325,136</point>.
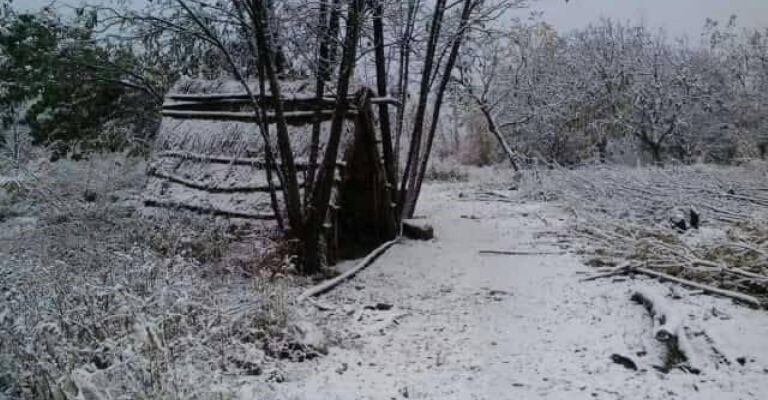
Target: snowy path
<point>471,326</point>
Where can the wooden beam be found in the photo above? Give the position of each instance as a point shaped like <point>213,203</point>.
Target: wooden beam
<point>296,118</point>
<point>217,159</point>
<point>208,96</point>
<point>150,202</point>
<point>208,188</point>
<point>236,97</point>
<point>292,117</point>
<point>237,104</point>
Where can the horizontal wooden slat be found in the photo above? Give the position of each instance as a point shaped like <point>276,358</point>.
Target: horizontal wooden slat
<point>221,189</point>
<point>207,188</point>
<point>291,117</point>
<point>150,202</point>
<point>215,159</point>
<point>208,96</point>
<point>243,97</point>
<point>238,104</point>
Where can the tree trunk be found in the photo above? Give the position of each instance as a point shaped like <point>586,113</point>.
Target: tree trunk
<point>278,57</point>
<point>410,175</point>
<point>602,149</point>
<point>322,192</point>
<point>491,122</point>
<point>381,86</point>
<point>403,75</point>
<point>656,152</point>
<point>452,56</point>
<point>333,33</point>
<point>323,74</point>
<point>290,178</point>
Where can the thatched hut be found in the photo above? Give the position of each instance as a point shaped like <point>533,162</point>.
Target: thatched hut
<point>208,157</point>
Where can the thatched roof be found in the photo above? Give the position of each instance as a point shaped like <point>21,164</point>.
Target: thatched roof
<point>208,152</point>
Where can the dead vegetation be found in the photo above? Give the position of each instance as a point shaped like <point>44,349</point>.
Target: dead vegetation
<point>97,300</point>
<point>634,215</point>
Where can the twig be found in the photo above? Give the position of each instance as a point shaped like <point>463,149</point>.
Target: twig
<point>320,306</point>
<point>522,253</point>
<point>620,270</point>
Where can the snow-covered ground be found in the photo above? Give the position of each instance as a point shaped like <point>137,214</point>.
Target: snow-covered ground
<point>464,325</point>
<point>428,320</point>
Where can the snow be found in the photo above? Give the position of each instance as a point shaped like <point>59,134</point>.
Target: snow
<point>428,320</point>
<point>464,325</point>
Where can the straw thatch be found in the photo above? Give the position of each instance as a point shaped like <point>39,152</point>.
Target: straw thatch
<point>217,164</point>
<point>208,157</point>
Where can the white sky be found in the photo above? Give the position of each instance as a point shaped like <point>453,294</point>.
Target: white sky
<point>677,17</point>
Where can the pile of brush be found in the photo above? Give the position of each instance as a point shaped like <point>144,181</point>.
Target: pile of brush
<point>704,226</point>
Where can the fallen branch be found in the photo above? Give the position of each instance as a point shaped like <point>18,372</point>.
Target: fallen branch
<point>332,283</point>
<point>628,214</point>
<point>732,270</point>
<point>623,270</point>
<point>523,253</point>
<point>666,323</point>
<point>667,328</point>
<point>320,306</point>
<point>752,301</point>
<point>620,270</point>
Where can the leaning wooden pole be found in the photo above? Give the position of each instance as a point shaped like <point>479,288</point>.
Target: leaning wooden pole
<point>381,87</point>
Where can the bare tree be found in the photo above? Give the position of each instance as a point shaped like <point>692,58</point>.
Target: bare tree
<point>472,13</point>
<point>485,81</point>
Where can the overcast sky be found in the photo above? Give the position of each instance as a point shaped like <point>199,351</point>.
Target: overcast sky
<point>677,17</point>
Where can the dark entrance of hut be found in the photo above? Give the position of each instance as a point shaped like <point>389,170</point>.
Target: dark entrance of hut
<point>208,158</point>
<point>367,210</point>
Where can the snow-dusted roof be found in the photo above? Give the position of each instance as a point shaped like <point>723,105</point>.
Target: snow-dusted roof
<point>213,159</point>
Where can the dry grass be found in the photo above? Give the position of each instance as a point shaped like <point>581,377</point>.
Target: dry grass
<point>446,171</point>
<point>97,301</point>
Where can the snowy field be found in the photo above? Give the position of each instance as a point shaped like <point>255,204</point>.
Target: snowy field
<point>98,303</point>
<point>466,325</point>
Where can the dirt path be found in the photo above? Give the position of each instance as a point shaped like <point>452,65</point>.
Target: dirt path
<point>469,326</point>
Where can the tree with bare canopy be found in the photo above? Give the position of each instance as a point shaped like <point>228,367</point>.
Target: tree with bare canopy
<point>249,37</point>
